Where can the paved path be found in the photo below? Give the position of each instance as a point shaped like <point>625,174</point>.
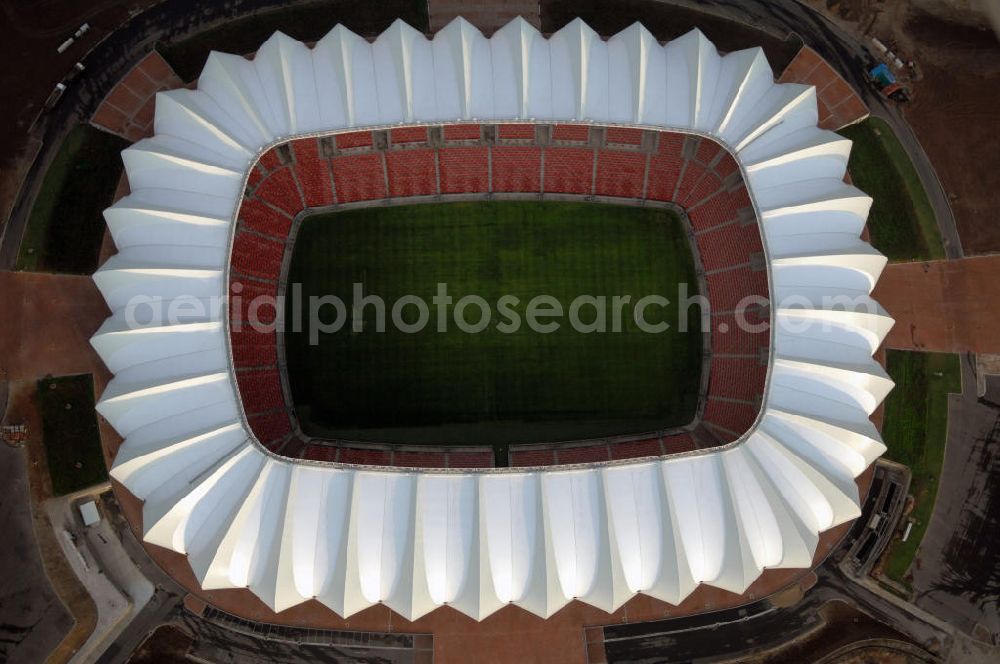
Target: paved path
<point>48,322</point>
<point>160,608</point>
<point>102,564</point>
<point>949,306</point>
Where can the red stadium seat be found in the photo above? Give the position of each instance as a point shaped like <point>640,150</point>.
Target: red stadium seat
<point>312,173</point>
<point>726,166</point>
<point>279,189</point>
<point>252,348</point>
<point>265,219</point>
<point>620,173</point>
<point>358,177</point>
<point>730,335</point>
<point>520,459</point>
<point>463,132</point>
<point>269,160</point>
<point>251,294</point>
<point>270,429</point>
<point>728,289</point>
<point>711,215</point>
<point>665,167</point>
<point>406,459</point>
<point>678,444</point>
<point>517,169</point>
<point>401,135</point>
<point>260,389</point>
<point>708,185</point>
<point>569,170</point>
<point>691,176</point>
<point>633,449</point>
<point>354,139</point>
<point>320,453</point>
<point>257,256</point>
<point>727,246</point>
<point>733,417</point>
<point>516,131</point>
<point>484,459</point>
<point>736,377</point>
<point>583,454</point>
<point>256,175</point>
<point>574,133</point>
<point>411,173</point>
<point>365,457</point>
<point>623,136</point>
<point>464,170</point>
<point>707,151</point>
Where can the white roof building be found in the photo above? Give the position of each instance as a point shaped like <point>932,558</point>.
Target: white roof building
<point>477,540</point>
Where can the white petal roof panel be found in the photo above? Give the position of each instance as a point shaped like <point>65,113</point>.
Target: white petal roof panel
<point>414,540</point>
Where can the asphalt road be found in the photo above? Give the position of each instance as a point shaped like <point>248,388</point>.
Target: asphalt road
<point>214,643</point>
<point>32,619</point>
<point>760,627</point>
<point>957,576</point>
<point>710,635</point>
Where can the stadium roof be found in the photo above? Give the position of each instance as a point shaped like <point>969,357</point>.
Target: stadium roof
<point>414,540</point>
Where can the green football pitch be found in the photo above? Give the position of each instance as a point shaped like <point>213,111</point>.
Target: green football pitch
<point>508,382</point>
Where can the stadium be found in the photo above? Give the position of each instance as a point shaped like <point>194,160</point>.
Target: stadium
<point>715,503</point>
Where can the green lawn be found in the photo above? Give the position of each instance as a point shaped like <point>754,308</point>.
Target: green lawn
<point>494,386</point>
<point>70,434</point>
<point>66,226</point>
<point>308,22</point>
<point>916,423</point>
<point>901,221</point>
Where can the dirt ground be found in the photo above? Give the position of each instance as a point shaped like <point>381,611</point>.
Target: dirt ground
<point>32,31</point>
<point>167,645</point>
<point>954,115</point>
<point>953,111</point>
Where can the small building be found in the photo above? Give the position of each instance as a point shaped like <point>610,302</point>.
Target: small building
<point>89,513</point>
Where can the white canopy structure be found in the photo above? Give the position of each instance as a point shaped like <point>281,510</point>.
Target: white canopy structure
<point>415,540</point>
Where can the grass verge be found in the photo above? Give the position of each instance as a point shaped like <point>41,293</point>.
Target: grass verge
<point>901,222</point>
<point>70,433</point>
<point>494,386</point>
<point>66,225</point>
<point>916,428</point>
<point>307,22</point>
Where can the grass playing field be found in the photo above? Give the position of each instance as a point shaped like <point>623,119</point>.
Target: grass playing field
<point>497,385</point>
<point>70,433</point>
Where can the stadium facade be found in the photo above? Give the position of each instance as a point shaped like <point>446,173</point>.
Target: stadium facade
<point>355,536</point>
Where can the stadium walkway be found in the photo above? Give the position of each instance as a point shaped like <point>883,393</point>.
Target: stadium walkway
<point>947,306</point>
<point>48,320</point>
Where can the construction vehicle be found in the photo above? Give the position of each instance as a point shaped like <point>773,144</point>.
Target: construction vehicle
<point>883,80</point>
